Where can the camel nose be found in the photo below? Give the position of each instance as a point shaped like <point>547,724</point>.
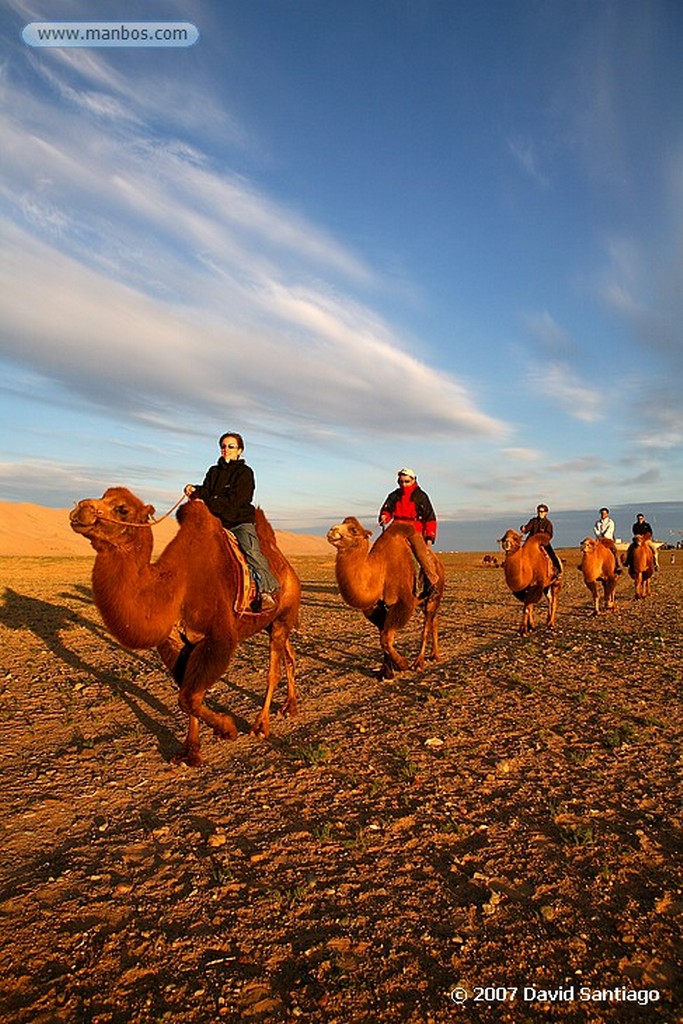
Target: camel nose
<point>87,506</point>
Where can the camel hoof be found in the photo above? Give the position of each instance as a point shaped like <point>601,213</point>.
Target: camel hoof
<point>225,728</point>
<point>261,727</point>
<point>189,756</point>
<point>418,665</point>
<point>289,708</point>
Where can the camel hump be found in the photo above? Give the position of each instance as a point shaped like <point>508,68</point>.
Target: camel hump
<point>263,527</point>
<point>401,530</point>
<point>538,539</point>
<point>268,541</point>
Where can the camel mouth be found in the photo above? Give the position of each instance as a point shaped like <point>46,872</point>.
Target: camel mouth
<point>82,518</point>
<point>334,536</point>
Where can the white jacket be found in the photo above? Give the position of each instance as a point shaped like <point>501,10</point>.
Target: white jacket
<point>604,528</point>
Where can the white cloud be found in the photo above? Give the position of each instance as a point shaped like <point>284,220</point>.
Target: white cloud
<point>527,156</point>
<point>547,332</point>
<point>141,275</point>
<point>558,383</point>
<point>311,358</point>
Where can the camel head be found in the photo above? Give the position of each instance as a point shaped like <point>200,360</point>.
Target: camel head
<point>348,534</point>
<point>588,544</point>
<point>104,520</point>
<point>510,542</point>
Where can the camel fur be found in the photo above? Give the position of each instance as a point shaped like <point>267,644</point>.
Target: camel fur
<point>382,582</point>
<point>183,603</point>
<point>530,574</point>
<point>597,566</point>
<point>641,565</point>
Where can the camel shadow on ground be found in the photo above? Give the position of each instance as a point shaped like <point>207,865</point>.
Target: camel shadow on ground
<point>48,622</point>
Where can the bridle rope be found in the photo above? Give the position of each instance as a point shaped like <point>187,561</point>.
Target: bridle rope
<point>139,526</point>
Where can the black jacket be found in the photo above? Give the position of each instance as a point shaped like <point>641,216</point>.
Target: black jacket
<point>228,490</point>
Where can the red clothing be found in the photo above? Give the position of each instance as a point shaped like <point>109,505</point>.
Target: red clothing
<point>410,503</point>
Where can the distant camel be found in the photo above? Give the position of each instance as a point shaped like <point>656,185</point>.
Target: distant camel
<point>189,592</point>
<point>530,574</point>
<point>382,582</point>
<point>641,564</point>
<point>597,566</point>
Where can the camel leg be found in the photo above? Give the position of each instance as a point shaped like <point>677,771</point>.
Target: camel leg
<point>552,605</point>
<point>430,631</point>
<point>594,592</point>
<point>280,651</point>
<point>610,599</point>
<point>290,706</point>
<point>392,659</point>
<point>205,665</point>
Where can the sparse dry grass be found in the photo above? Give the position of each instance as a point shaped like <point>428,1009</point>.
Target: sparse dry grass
<point>346,870</point>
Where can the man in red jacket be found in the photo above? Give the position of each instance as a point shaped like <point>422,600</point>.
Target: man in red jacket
<point>409,503</point>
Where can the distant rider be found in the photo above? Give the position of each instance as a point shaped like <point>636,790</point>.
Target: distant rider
<point>641,528</point>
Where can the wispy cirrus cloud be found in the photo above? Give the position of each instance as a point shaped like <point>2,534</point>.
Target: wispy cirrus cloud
<point>558,383</point>
<point>164,278</point>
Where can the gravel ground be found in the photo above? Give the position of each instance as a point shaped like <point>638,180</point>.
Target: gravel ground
<point>499,829</point>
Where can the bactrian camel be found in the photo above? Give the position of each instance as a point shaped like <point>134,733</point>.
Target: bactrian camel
<point>530,574</point>
<point>641,564</point>
<point>184,603</point>
<point>382,581</point>
<point>598,566</point>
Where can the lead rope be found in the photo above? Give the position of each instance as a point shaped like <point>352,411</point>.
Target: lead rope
<point>140,526</point>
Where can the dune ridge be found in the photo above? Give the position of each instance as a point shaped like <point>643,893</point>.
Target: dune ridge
<point>35,531</point>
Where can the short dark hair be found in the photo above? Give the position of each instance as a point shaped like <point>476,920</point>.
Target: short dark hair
<point>604,510</point>
<point>232,433</point>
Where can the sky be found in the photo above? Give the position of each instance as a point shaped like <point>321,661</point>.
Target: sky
<point>419,233</point>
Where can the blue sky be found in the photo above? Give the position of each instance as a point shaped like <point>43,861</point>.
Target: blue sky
<point>365,235</point>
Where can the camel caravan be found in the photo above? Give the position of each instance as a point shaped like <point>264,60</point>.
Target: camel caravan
<point>197,601</point>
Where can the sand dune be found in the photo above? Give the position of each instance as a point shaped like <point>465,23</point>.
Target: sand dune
<point>34,531</point>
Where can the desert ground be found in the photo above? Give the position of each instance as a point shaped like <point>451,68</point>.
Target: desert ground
<point>492,839</point>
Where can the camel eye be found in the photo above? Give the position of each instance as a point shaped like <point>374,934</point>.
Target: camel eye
<point>121,510</point>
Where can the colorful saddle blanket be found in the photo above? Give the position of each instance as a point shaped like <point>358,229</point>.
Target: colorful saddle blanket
<point>246,591</point>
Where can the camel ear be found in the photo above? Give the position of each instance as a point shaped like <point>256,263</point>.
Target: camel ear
<point>367,533</point>
<point>149,511</point>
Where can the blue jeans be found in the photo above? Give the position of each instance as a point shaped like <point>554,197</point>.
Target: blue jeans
<point>256,560</point>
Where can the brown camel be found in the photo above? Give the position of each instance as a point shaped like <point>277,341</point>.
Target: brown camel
<point>529,574</point>
<point>383,583</point>
<point>188,593</point>
<point>597,566</point>
<point>641,564</point>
